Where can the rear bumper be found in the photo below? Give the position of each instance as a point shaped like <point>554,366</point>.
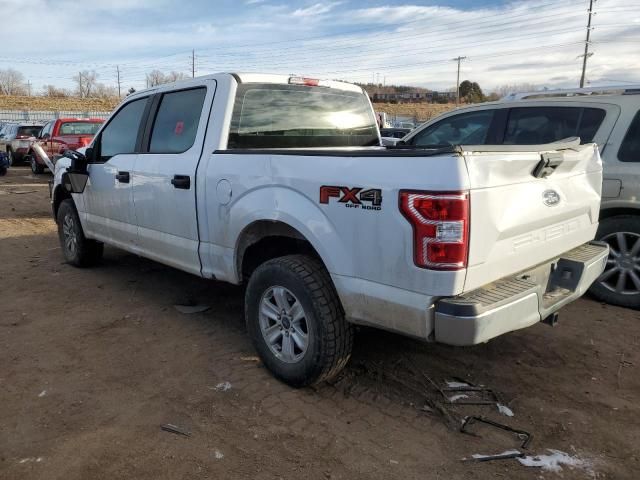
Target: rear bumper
<point>519,301</point>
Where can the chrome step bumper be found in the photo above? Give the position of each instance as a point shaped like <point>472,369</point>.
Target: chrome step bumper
<point>520,301</point>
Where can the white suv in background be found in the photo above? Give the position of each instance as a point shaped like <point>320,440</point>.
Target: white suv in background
<point>608,116</point>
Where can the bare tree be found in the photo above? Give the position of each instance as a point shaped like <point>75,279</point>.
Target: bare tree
<point>101,90</point>
<point>155,78</point>
<point>12,82</point>
<point>504,90</point>
<point>86,81</point>
<point>53,91</point>
<point>175,76</point>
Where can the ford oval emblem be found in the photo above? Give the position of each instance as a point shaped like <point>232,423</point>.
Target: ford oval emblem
<point>551,198</point>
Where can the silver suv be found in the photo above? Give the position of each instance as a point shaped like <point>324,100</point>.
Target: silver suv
<point>608,116</point>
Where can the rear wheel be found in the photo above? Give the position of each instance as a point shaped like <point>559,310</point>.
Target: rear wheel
<point>77,249</point>
<point>12,159</point>
<point>36,168</point>
<point>619,284</point>
<point>296,322</point>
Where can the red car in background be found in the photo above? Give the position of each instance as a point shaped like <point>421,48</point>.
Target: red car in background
<point>58,136</point>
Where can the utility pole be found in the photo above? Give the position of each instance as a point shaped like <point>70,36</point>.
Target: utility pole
<point>29,88</point>
<point>193,63</point>
<point>458,59</point>
<point>586,45</point>
<point>118,74</point>
<point>80,83</point>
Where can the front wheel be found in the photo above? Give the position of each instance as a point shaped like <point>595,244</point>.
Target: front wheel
<point>77,249</point>
<point>36,168</point>
<point>296,322</point>
<point>619,284</point>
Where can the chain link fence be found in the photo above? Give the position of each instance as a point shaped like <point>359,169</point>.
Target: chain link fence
<point>45,116</point>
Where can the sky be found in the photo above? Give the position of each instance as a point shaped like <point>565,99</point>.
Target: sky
<point>393,42</point>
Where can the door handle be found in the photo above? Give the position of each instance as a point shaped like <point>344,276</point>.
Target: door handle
<point>122,177</point>
<point>181,181</point>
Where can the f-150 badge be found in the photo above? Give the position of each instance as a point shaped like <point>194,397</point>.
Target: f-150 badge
<point>356,197</point>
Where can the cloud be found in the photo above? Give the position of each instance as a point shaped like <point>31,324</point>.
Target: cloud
<point>315,10</point>
<point>515,42</point>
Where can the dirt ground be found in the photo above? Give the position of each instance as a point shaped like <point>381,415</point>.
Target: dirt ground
<point>93,361</point>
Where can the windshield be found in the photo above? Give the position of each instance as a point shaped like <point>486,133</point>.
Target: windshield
<point>288,116</point>
<point>79,128</point>
<point>32,131</point>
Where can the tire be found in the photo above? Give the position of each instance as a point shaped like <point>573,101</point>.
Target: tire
<point>12,159</point>
<point>77,249</point>
<point>302,284</point>
<point>36,168</point>
<point>3,171</point>
<point>620,282</point>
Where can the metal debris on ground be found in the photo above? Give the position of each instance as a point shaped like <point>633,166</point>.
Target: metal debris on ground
<point>169,427</point>
<point>523,435</point>
<point>190,309</point>
<point>509,454</point>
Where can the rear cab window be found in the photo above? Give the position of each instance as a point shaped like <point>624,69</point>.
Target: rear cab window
<point>296,116</point>
<point>630,147</point>
<point>79,128</point>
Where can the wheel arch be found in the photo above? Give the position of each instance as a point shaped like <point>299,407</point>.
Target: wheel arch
<point>58,196</point>
<point>618,212</point>
<point>263,240</point>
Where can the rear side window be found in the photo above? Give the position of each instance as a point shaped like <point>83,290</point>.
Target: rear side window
<point>539,125</point>
<point>464,129</point>
<point>177,120</point>
<point>630,148</point>
<point>293,116</point>
<point>120,135</point>
<point>29,131</point>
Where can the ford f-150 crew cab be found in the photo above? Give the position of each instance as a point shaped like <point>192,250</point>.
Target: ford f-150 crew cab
<point>280,183</point>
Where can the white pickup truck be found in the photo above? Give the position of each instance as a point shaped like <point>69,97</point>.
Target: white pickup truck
<point>280,183</point>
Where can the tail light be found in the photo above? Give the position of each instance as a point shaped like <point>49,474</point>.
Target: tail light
<point>440,222</point>
<point>22,137</point>
<point>309,82</point>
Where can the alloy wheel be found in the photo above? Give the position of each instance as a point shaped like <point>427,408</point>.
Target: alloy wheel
<point>70,235</point>
<point>622,273</point>
<point>283,323</point>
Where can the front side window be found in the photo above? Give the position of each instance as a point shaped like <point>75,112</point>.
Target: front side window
<point>176,124</point>
<point>120,135</point>
<point>464,129</point>
<point>295,116</point>
<point>630,148</point>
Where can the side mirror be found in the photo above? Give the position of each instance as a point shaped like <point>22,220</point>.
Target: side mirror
<point>88,153</point>
<point>76,176</point>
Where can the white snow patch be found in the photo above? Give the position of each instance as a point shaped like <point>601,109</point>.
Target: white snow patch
<point>30,459</point>
<point>555,461</point>
<point>218,454</point>
<point>478,456</point>
<point>223,387</point>
<point>455,398</point>
<point>504,410</point>
<point>457,384</point>
<point>42,393</point>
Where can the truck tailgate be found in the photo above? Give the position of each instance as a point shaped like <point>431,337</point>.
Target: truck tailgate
<point>519,220</point>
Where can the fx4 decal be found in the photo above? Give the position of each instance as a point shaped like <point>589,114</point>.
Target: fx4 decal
<point>370,199</point>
